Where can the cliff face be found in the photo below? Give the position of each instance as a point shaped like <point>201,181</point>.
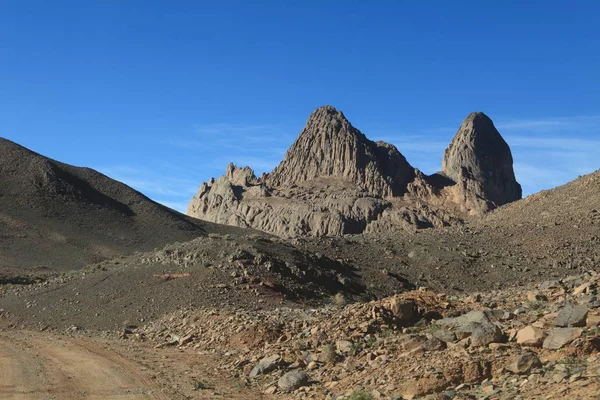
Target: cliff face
<point>334,181</point>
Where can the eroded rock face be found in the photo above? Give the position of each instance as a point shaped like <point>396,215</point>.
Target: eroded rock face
<point>334,181</point>
<point>480,162</point>
<point>329,146</point>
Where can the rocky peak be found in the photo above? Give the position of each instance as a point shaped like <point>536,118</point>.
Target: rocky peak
<point>480,159</point>
<point>329,146</point>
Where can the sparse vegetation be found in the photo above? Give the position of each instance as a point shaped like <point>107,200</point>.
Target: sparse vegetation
<point>199,385</point>
<point>328,354</point>
<point>339,300</point>
<point>571,362</point>
<point>370,341</point>
<point>361,394</point>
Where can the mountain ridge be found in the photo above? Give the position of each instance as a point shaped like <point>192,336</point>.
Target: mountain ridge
<point>331,159</point>
<point>73,216</point>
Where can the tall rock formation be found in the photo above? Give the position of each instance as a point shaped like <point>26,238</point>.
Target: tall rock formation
<point>479,160</point>
<point>335,181</point>
<point>329,146</point>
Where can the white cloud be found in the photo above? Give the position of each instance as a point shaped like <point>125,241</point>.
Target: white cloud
<point>551,124</point>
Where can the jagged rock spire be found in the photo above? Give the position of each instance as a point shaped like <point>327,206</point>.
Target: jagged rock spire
<point>479,154</point>
<point>329,146</point>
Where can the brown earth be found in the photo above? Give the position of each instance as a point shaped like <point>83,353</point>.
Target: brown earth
<point>46,366</point>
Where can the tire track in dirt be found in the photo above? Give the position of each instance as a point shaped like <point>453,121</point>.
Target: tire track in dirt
<point>45,366</point>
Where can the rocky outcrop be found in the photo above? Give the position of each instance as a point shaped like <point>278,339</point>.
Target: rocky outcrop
<point>335,181</point>
<point>480,162</point>
<point>329,146</point>
<point>321,207</point>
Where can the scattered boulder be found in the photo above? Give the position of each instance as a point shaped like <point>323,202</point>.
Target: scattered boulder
<point>485,334</point>
<point>571,315</point>
<point>292,380</point>
<point>434,344</point>
<point>530,336</point>
<point>524,363</point>
<point>265,365</point>
<point>405,311</point>
<point>344,346</point>
<point>559,337</point>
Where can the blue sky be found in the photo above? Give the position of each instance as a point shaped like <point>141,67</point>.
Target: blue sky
<point>162,95</point>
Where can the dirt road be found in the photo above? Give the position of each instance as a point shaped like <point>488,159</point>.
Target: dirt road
<point>47,366</point>
<point>44,366</point>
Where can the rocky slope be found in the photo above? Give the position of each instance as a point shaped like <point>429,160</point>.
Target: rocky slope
<point>532,343</point>
<point>334,181</point>
<point>230,271</point>
<point>553,233</point>
<point>60,216</point>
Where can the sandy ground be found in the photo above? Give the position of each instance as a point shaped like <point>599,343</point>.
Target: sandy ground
<point>47,366</point>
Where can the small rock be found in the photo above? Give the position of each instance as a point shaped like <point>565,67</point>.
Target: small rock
<point>344,346</point>
<point>559,376</point>
<point>413,342</point>
<point>445,335</point>
<point>434,344</point>
<point>533,297</point>
<point>265,365</point>
<point>271,390</point>
<point>582,289</point>
<point>550,285</point>
<point>312,365</point>
<point>485,334</point>
<point>292,380</point>
<point>559,337</point>
<point>405,311</point>
<point>593,320</point>
<point>477,371</point>
<point>487,388</point>
<point>499,346</point>
<point>524,363</point>
<point>571,315</point>
<point>530,336</point>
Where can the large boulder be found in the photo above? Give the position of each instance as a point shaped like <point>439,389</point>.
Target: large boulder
<point>292,380</point>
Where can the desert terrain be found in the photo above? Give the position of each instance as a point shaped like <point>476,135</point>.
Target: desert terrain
<point>345,273</point>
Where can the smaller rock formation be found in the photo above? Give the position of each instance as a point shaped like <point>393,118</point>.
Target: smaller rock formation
<point>480,162</point>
